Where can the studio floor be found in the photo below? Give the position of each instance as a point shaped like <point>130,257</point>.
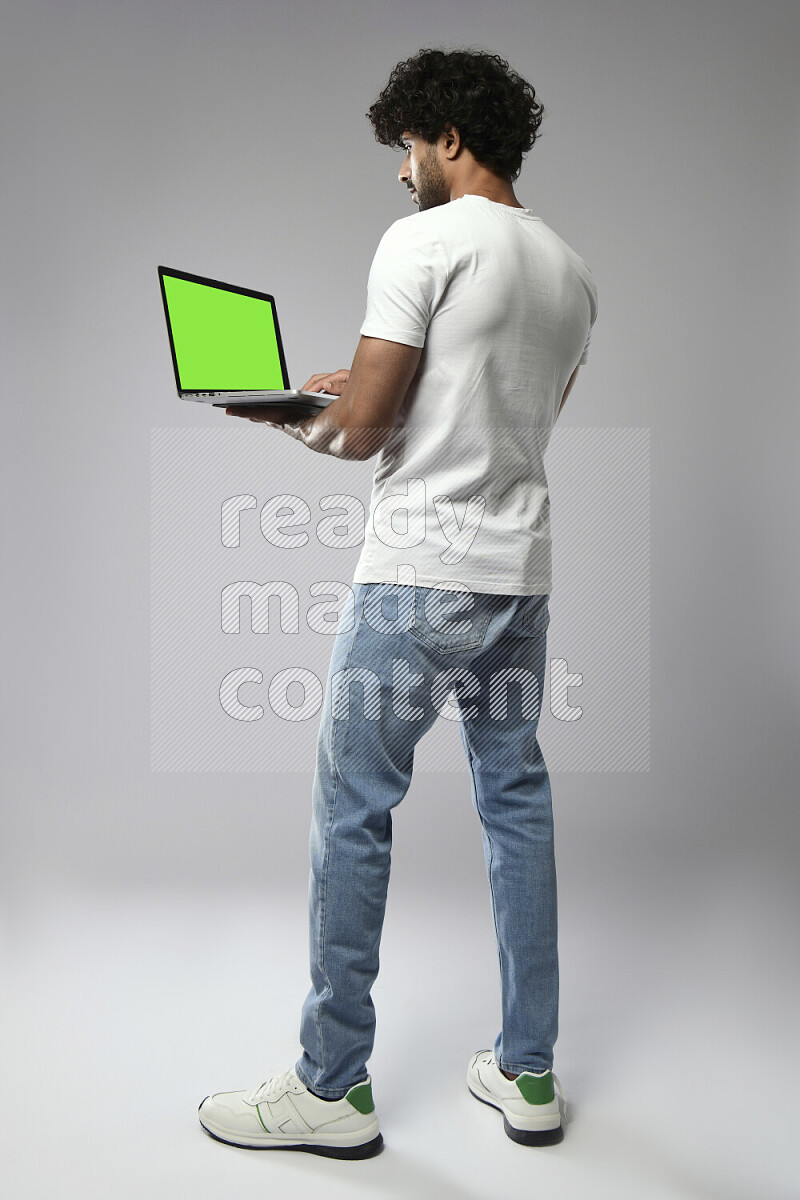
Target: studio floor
<point>122,1010</point>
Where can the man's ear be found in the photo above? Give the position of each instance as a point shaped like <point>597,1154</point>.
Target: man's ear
<point>452,140</point>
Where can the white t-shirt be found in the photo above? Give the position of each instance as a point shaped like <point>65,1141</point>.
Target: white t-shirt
<point>504,310</point>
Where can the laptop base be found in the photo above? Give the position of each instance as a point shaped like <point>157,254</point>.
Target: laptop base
<point>318,400</point>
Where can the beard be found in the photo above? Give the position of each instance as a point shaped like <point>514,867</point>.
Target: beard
<point>431,185</point>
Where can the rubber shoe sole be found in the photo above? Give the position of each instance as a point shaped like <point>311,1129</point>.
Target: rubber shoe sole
<point>367,1150</point>
<point>530,1106</point>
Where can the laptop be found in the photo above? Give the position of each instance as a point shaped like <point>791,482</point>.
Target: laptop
<point>226,344</point>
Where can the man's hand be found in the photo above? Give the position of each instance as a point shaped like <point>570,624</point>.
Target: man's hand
<point>333,383</point>
<point>272,414</point>
<point>368,398</point>
<point>280,415</point>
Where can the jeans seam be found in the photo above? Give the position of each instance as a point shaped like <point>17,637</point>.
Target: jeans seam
<point>324,897</point>
<point>491,856</point>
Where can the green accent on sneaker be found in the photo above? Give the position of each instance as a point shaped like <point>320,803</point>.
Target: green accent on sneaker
<point>536,1089</point>
<point>360,1096</point>
<point>263,1126</point>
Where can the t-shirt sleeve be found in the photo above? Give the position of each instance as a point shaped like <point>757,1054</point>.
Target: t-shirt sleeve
<point>406,281</point>
<point>592,318</point>
<point>584,358</point>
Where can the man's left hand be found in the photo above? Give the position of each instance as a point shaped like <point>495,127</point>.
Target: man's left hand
<point>277,415</point>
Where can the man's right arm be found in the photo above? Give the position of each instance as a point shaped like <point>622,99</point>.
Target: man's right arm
<point>568,389</point>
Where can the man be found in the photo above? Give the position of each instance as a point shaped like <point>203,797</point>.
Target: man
<point>478,318</point>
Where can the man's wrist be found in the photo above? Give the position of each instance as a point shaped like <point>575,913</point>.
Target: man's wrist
<point>323,432</point>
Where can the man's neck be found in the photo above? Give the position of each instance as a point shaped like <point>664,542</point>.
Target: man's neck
<point>501,196</point>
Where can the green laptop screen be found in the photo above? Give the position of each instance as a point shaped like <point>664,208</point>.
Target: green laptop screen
<point>223,341</point>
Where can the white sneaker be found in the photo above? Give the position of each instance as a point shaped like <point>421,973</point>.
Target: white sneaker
<point>529,1104</point>
<point>283,1114</point>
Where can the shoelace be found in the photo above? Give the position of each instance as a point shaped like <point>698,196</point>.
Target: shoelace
<point>274,1087</point>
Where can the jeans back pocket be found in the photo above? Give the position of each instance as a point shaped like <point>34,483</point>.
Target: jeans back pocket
<point>447,621</point>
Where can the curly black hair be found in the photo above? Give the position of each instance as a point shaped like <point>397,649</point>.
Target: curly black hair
<point>494,110</point>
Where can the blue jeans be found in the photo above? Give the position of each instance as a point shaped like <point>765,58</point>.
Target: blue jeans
<point>397,679</point>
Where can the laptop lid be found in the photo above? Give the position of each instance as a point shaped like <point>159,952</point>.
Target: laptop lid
<point>223,338</point>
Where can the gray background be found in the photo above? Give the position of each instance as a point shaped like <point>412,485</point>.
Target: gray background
<point>154,923</point>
